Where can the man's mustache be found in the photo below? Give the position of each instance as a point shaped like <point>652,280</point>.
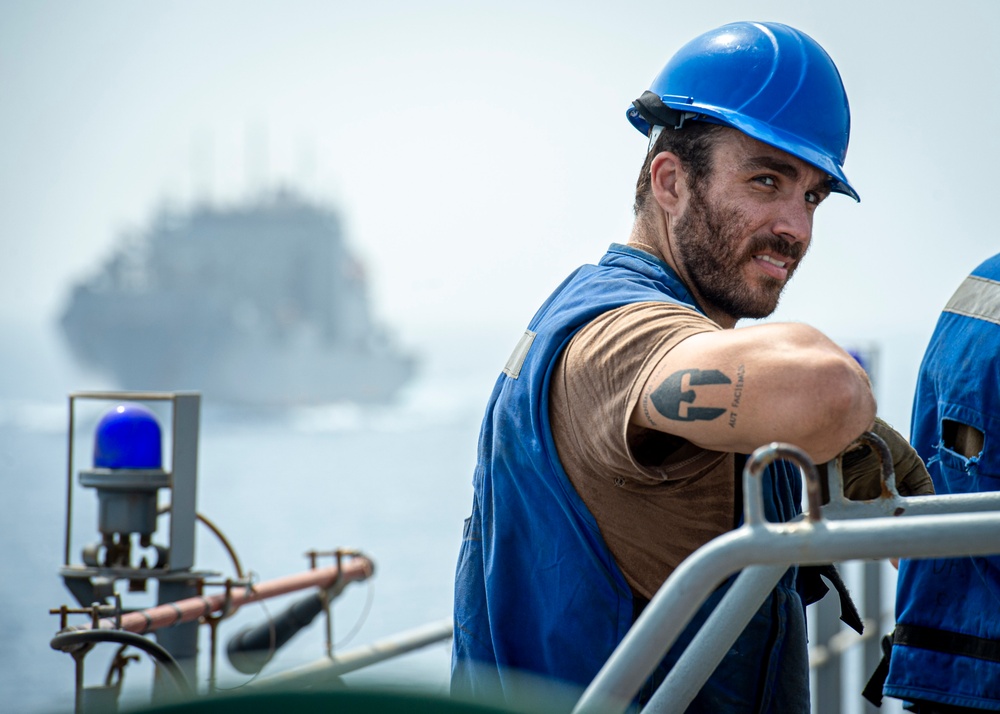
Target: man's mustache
<point>774,244</point>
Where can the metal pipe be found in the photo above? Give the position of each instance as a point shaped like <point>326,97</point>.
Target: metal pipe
<point>127,396</point>
<point>329,667</point>
<point>175,613</point>
<point>714,639</point>
<point>805,542</point>
<point>69,487</point>
<point>913,506</point>
<point>759,460</point>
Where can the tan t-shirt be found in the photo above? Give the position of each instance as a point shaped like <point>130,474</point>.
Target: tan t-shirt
<point>656,498</point>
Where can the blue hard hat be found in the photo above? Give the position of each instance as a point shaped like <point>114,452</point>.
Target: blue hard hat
<point>128,437</point>
<point>770,81</point>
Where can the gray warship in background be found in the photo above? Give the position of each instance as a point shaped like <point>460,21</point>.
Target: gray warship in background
<point>258,304</point>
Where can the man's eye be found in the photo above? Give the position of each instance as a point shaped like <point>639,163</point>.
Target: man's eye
<point>765,180</point>
<point>813,197</point>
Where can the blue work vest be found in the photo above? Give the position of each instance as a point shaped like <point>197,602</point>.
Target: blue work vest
<point>537,591</point>
<point>947,643</point>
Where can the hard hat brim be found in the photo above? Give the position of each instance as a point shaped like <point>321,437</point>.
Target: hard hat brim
<point>777,138</point>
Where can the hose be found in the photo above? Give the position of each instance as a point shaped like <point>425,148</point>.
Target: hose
<point>69,641</point>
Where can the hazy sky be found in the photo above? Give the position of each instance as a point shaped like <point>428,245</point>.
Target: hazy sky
<point>479,151</point>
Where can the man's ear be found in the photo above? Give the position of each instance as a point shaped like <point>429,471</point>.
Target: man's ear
<point>667,181</point>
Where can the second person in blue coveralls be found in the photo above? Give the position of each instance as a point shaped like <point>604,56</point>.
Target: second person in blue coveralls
<point>946,645</point>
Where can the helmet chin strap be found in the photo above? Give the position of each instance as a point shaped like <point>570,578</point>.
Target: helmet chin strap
<point>654,134</point>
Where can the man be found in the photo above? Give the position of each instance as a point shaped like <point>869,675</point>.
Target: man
<point>946,646</point>
<point>613,442</point>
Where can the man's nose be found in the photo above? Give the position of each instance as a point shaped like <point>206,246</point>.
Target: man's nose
<point>794,223</point>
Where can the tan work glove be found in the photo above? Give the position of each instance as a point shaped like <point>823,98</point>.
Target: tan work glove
<point>863,470</point>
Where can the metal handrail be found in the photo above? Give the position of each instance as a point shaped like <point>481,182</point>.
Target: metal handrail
<point>325,670</point>
<point>933,526</point>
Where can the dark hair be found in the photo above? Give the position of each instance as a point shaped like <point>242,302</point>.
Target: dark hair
<point>693,145</point>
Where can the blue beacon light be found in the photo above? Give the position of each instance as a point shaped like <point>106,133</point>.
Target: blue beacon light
<point>128,437</point>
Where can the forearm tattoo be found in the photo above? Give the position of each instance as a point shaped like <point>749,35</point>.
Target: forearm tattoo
<point>674,395</point>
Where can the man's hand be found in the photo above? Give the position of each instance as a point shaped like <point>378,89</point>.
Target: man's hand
<point>863,470</point>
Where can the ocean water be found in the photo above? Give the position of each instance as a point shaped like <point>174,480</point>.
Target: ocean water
<point>393,481</point>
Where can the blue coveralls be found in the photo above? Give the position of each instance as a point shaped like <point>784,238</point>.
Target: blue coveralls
<point>537,589</point>
<point>947,642</point>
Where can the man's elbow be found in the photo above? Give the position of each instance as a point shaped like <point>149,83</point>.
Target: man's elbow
<point>846,408</point>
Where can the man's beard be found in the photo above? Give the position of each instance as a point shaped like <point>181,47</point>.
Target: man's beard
<point>708,240</point>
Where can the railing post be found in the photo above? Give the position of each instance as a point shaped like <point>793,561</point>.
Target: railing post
<point>827,674</point>
<point>873,619</point>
